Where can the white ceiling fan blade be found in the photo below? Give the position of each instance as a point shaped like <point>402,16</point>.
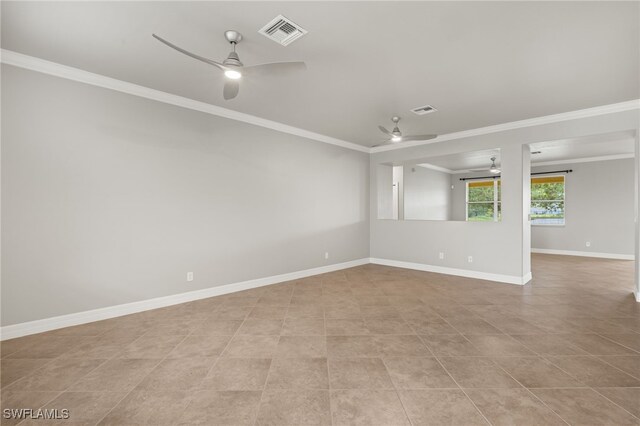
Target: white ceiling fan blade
<point>274,68</point>
<point>418,137</point>
<point>231,89</point>
<point>193,55</point>
<point>385,131</point>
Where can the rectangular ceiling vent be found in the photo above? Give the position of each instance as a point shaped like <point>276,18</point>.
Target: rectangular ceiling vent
<point>423,110</point>
<point>282,30</point>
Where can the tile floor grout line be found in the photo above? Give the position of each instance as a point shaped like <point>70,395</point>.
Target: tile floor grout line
<point>266,380</point>
<point>395,388</point>
<point>65,389</point>
<point>613,402</point>
<point>189,398</point>
<point>524,387</point>
<point>588,386</point>
<point>617,368</point>
<point>464,392</point>
<point>136,385</point>
<point>393,383</point>
<point>326,342</point>
<point>636,353</point>
<point>219,355</point>
<point>43,405</point>
<point>451,376</point>
<point>533,394</point>
<point>597,357</point>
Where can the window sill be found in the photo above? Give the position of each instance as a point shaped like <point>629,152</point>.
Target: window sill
<point>556,225</point>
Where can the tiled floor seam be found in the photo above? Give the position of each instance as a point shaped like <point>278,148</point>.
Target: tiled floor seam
<point>589,387</point>
<point>505,372</point>
<point>133,388</point>
<point>266,381</point>
<point>615,403</point>
<point>533,394</point>
<point>60,392</point>
<point>637,353</point>
<point>450,375</point>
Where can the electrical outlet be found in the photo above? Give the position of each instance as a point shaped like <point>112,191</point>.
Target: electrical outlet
<point>588,243</point>
<point>326,254</point>
<point>470,259</point>
<point>189,276</point>
<point>441,255</point>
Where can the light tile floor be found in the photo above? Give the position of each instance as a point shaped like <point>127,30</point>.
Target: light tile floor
<point>371,345</point>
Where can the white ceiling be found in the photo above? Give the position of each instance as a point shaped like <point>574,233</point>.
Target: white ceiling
<point>479,63</point>
<point>608,145</point>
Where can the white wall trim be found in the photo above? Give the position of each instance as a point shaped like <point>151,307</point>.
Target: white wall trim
<point>510,279</point>
<point>584,254</point>
<point>585,160</point>
<point>537,121</point>
<point>63,71</point>
<point>436,168</point>
<point>637,295</point>
<point>47,67</point>
<point>48,324</point>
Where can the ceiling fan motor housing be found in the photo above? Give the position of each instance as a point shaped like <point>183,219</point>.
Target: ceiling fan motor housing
<point>233,59</point>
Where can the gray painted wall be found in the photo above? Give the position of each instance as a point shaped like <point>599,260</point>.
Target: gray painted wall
<point>496,248</point>
<point>108,198</point>
<point>595,184</point>
<point>427,194</point>
<point>599,208</point>
<point>384,178</point>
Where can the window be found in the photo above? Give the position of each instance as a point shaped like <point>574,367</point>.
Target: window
<point>483,201</point>
<point>547,200</point>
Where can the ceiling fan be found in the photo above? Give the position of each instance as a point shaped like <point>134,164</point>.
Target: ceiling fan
<point>397,137</point>
<point>233,69</point>
<point>492,168</point>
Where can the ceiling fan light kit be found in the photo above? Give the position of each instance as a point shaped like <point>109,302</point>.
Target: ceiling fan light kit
<point>396,135</point>
<point>233,68</point>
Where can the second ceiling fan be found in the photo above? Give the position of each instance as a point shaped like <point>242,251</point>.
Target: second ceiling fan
<point>396,135</point>
<point>493,168</point>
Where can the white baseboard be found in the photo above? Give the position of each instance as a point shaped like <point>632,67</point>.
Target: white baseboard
<point>584,254</point>
<point>510,279</point>
<point>637,295</point>
<point>48,324</point>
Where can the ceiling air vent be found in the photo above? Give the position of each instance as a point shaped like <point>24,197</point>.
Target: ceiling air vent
<point>282,30</point>
<point>423,110</point>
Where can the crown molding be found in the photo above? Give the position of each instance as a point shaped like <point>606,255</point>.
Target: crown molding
<point>436,168</point>
<point>537,121</point>
<point>32,63</point>
<point>584,160</point>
